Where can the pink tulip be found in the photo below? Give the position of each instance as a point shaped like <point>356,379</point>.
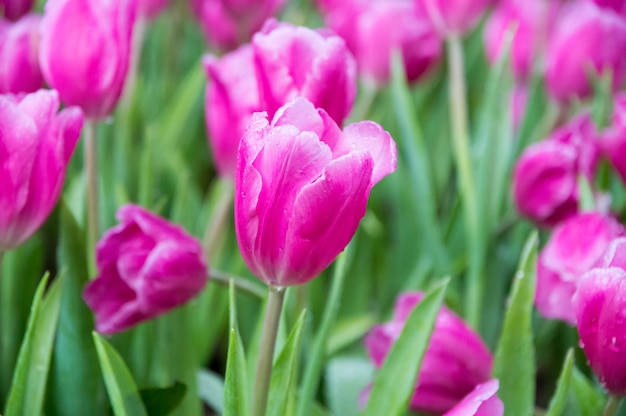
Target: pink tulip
<point>85,51</point>
<point>231,98</point>
<point>293,61</point>
<point>482,401</point>
<point>19,49</point>
<point>456,361</point>
<point>619,6</point>
<point>613,139</point>
<point>151,8</point>
<point>15,9</point>
<point>36,143</point>
<point>146,267</point>
<point>545,180</point>
<point>230,23</point>
<point>600,304</point>
<point>573,51</point>
<point>373,29</point>
<point>453,16</point>
<point>574,248</point>
<point>301,189</point>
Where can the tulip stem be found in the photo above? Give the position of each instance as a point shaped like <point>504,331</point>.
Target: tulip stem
<point>612,405</point>
<point>460,145</point>
<point>240,283</point>
<point>266,350</point>
<point>217,222</point>
<point>91,170</point>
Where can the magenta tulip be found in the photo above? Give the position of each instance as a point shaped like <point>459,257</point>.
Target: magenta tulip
<point>574,248</point>
<point>230,23</point>
<point>373,29</point>
<point>85,51</point>
<point>36,143</point>
<point>15,9</point>
<point>619,6</point>
<point>301,189</point>
<point>231,99</point>
<point>146,267</point>
<point>613,138</point>
<point>455,362</point>
<point>482,401</point>
<point>19,60</point>
<point>453,16</point>
<point>294,61</point>
<point>573,54</point>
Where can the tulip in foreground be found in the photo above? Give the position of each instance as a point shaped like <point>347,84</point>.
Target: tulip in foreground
<point>455,362</point>
<point>19,61</point>
<point>36,144</point>
<point>146,267</point>
<point>301,189</point>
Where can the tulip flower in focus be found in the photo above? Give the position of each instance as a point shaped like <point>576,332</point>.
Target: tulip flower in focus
<point>15,9</point>
<point>36,144</point>
<point>146,267</point>
<point>574,248</point>
<point>85,51</point>
<point>294,61</point>
<point>453,16</point>
<point>231,99</point>
<point>230,23</point>
<point>482,401</point>
<point>373,29</point>
<point>19,55</point>
<point>456,360</point>
<point>301,189</point>
<point>573,53</point>
<point>545,180</point>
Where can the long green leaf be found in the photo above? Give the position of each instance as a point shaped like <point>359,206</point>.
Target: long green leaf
<point>515,357</point>
<point>121,387</point>
<point>235,385</point>
<point>395,382</point>
<point>559,400</point>
<point>31,373</point>
<point>163,401</point>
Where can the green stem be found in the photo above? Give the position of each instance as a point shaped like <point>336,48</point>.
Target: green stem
<point>318,352</point>
<point>612,405</point>
<point>368,93</point>
<point>91,170</point>
<point>460,141</point>
<point>240,283</point>
<point>217,223</point>
<point>266,350</point>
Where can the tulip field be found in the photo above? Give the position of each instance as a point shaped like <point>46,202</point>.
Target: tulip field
<point>312,207</point>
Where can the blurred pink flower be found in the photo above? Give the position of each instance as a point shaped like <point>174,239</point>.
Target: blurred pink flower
<point>230,23</point>
<point>36,143</point>
<point>231,98</point>
<point>146,267</point>
<point>619,6</point>
<point>85,51</point>
<point>613,139</point>
<point>456,361</point>
<point>482,401</point>
<point>15,9</point>
<point>301,189</point>
<point>294,61</point>
<point>574,248</point>
<point>573,53</point>
<point>19,55</point>
<point>453,16</point>
<point>151,8</point>
<point>373,29</point>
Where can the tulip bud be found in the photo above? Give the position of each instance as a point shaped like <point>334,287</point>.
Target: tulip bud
<point>19,44</point>
<point>85,51</point>
<point>301,189</point>
<point>146,267</point>
<point>294,61</point>
<point>453,16</point>
<point>374,29</point>
<point>455,362</point>
<point>545,180</point>
<point>231,98</point>
<point>600,304</point>
<point>574,248</point>
<point>482,401</point>
<point>573,54</point>
<point>230,23</point>
<point>36,144</point>
<point>15,9</point>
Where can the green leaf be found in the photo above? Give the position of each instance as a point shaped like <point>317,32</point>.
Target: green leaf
<point>395,382</point>
<point>514,362</point>
<point>235,385</point>
<point>559,400</point>
<point>584,399</point>
<point>163,401</point>
<point>121,387</point>
<point>211,390</point>
<point>31,373</point>
<point>283,383</point>
<point>346,377</point>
